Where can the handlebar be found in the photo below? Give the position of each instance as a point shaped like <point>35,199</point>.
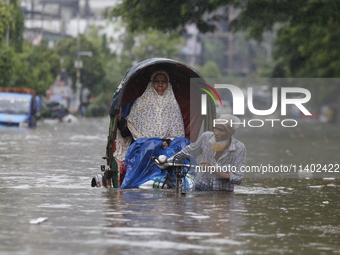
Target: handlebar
<point>169,164</point>
<point>173,168</point>
<point>178,164</point>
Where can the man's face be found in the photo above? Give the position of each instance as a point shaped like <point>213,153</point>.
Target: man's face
<point>221,133</point>
<point>160,83</point>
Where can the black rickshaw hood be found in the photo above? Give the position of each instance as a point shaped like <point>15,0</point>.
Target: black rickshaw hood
<point>136,79</point>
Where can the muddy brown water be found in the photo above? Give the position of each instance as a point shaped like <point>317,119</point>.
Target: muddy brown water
<point>46,173</point>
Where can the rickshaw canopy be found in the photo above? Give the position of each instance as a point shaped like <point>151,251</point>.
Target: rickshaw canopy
<point>188,97</point>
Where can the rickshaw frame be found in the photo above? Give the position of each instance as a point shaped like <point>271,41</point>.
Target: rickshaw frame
<point>133,85</point>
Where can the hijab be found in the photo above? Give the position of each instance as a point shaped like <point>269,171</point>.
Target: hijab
<point>152,115</point>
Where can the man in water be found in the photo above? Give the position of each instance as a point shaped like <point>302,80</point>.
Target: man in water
<point>222,156</point>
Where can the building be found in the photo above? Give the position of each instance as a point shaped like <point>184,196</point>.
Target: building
<point>55,19</point>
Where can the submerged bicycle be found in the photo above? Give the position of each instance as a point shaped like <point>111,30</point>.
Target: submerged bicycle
<point>176,173</point>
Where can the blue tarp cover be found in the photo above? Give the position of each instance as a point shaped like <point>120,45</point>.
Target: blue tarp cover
<point>139,160</point>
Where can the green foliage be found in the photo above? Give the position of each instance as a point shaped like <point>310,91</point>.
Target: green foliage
<point>171,15</point>
<point>136,47</point>
<point>5,19</point>
<point>306,45</point>
<point>99,107</point>
<point>115,71</point>
<point>17,27</point>
<point>12,20</point>
<point>92,72</point>
<point>6,66</point>
<point>308,35</point>
<point>114,68</point>
<point>210,70</point>
<point>35,68</point>
<point>132,48</point>
<point>307,40</point>
<point>149,44</point>
<point>214,51</point>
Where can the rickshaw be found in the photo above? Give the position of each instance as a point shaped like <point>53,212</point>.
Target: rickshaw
<point>133,85</point>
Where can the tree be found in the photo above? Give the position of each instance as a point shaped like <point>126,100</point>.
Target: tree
<point>5,19</point>
<point>16,35</point>
<point>92,72</point>
<point>34,68</point>
<point>171,15</point>
<point>22,65</point>
<point>12,22</point>
<point>308,33</point>
<point>307,40</point>
<point>130,48</point>
<point>210,70</point>
<point>149,44</point>
<point>6,65</point>
<point>213,47</point>
<point>306,44</point>
<point>133,47</point>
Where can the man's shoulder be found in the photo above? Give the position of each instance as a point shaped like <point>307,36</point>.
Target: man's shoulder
<point>238,144</point>
<point>207,134</point>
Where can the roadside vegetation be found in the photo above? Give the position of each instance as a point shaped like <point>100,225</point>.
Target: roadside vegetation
<point>305,43</point>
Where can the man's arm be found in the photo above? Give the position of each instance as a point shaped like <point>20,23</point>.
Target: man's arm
<point>191,150</point>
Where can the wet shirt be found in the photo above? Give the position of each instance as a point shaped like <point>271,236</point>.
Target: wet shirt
<point>232,161</point>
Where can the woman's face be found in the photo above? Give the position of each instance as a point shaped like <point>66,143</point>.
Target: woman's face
<point>160,83</point>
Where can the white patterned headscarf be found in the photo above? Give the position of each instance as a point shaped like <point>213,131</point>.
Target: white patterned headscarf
<point>152,115</point>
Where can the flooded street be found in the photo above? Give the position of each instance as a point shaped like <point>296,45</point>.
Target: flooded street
<point>46,173</point>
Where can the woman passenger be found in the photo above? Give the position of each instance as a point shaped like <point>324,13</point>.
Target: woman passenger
<point>154,117</point>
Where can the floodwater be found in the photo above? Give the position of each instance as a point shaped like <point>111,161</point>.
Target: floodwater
<point>48,206</point>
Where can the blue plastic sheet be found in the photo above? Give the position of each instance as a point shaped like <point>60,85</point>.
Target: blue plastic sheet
<point>139,160</point>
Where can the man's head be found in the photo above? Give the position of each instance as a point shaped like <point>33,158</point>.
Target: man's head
<point>221,138</point>
<point>160,82</point>
<point>224,128</point>
<point>230,122</point>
